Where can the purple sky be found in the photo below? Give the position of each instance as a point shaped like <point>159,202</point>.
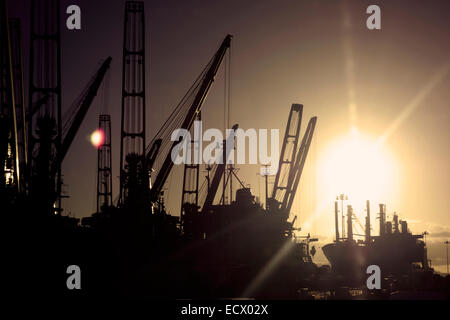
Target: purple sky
<point>282,52</point>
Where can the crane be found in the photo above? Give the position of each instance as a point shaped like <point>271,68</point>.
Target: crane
<point>297,169</point>
<point>85,102</point>
<point>288,151</point>
<point>292,160</point>
<point>192,112</point>
<point>218,173</point>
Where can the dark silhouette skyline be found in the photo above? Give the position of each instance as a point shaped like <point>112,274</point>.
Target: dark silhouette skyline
<point>283,51</point>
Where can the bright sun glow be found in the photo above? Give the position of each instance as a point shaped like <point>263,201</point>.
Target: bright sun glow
<point>97,138</point>
<point>358,167</point>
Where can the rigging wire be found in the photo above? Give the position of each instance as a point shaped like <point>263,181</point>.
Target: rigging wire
<point>175,120</point>
<point>69,115</point>
<point>177,117</point>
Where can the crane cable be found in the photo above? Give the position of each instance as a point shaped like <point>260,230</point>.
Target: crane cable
<point>175,120</point>
<point>69,115</point>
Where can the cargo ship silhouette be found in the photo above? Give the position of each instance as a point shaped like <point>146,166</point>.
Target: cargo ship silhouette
<point>395,249</point>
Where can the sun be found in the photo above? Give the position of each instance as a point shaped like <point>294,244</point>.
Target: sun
<point>356,165</point>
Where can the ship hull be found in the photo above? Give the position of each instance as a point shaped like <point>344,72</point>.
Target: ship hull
<point>346,258</point>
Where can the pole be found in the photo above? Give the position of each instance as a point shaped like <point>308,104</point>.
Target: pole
<point>368,221</point>
<point>266,177</point>
<point>446,242</point>
<point>267,190</point>
<point>336,220</point>
<point>224,186</point>
<point>343,218</point>
<point>208,170</point>
<point>231,183</point>
<point>349,223</point>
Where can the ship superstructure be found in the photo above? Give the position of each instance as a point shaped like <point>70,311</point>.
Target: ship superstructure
<point>395,249</point>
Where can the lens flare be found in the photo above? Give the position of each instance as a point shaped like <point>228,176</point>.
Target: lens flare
<point>97,138</point>
<point>357,166</point>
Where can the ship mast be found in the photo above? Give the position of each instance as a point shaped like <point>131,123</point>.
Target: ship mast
<point>368,222</point>
<point>382,218</point>
<point>336,220</point>
<point>349,223</point>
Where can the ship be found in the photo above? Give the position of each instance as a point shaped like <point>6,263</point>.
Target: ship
<point>250,251</point>
<point>396,250</point>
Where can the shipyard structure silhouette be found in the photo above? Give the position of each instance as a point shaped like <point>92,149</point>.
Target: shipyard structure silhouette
<point>225,243</point>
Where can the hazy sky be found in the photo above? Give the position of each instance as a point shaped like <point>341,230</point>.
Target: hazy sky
<point>391,83</point>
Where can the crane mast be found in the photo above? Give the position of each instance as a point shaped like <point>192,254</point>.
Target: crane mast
<point>9,175</point>
<point>132,133</point>
<point>104,165</point>
<point>17,76</point>
<point>45,126</point>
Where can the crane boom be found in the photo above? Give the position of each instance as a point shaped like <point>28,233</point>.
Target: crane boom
<point>82,111</point>
<point>287,156</point>
<point>193,111</point>
<point>218,173</point>
<point>153,153</point>
<point>297,169</point>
